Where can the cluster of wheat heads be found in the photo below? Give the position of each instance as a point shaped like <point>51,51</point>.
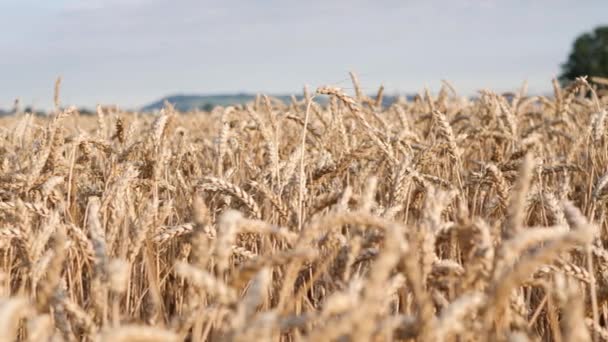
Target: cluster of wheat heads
<point>438,219</point>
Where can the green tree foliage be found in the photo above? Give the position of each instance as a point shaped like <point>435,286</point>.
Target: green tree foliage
<point>589,55</point>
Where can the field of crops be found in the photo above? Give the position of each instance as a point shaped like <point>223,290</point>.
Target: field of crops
<point>444,218</point>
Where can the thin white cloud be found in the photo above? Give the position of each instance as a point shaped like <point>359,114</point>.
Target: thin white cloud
<point>90,5</point>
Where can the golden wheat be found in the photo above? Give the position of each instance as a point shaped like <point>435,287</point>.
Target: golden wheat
<point>437,219</point>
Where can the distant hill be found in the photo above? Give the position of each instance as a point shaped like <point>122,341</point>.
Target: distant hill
<point>185,103</point>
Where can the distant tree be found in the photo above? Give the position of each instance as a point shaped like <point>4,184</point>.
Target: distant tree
<point>29,109</point>
<point>85,111</point>
<point>589,56</point>
<point>207,107</point>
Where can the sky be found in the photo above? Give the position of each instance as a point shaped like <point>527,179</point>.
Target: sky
<point>133,52</point>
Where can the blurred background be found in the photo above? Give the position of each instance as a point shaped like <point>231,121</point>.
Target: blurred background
<point>135,53</point>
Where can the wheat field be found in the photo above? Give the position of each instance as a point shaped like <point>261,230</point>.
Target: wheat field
<point>443,218</point>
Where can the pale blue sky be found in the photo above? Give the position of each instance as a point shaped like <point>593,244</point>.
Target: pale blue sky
<point>131,52</point>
